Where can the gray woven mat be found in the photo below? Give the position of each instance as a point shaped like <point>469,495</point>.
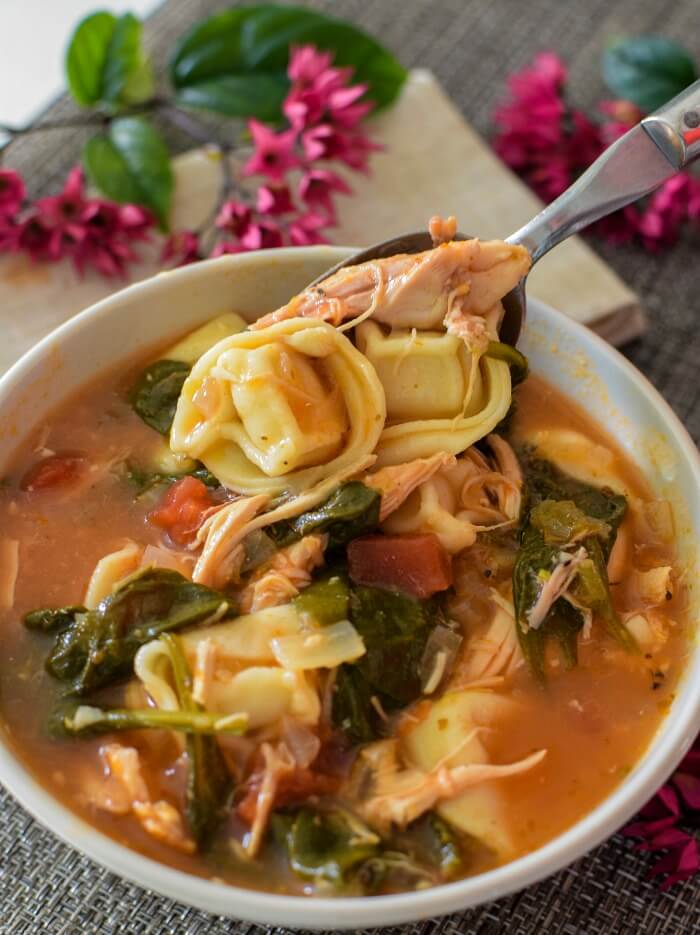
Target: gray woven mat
<point>48,888</point>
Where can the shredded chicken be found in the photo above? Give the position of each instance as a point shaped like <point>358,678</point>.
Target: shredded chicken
<point>497,651</point>
<point>441,230</point>
<point>164,823</point>
<point>157,556</point>
<point>281,579</point>
<point>160,819</point>
<point>9,569</point>
<point>222,534</point>
<point>278,763</point>
<point>397,482</point>
<point>509,494</point>
<point>458,283</point>
<point>555,586</point>
<point>398,795</point>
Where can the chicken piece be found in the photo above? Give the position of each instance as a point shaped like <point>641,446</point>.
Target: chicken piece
<point>204,670</point>
<point>441,230</point>
<point>496,651</point>
<point>278,763</point>
<point>159,819</point>
<point>287,572</point>
<point>398,795</point>
<point>164,823</point>
<point>395,483</point>
<point>451,284</point>
<point>509,496</point>
<point>222,534</point>
<point>555,586</point>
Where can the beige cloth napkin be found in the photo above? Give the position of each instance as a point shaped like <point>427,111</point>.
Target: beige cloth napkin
<point>434,163</point>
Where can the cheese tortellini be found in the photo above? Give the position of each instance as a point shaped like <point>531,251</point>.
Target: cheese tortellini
<point>281,409</point>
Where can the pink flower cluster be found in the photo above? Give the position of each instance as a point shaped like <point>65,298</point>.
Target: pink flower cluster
<point>91,231</point>
<point>549,144</point>
<point>294,202</point>
<point>676,803</point>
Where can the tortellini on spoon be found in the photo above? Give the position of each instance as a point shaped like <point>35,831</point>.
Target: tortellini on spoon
<point>281,409</point>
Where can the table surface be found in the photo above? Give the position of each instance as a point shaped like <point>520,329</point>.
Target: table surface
<point>45,886</point>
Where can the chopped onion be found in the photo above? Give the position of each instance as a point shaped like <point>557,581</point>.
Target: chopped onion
<point>322,648</point>
<point>301,742</point>
<point>438,658</point>
<point>165,558</point>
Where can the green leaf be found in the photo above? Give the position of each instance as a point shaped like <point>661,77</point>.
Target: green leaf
<point>351,510</point>
<point>127,77</point>
<point>47,620</point>
<point>648,70</point>
<point>328,845</point>
<point>257,96</point>
<point>145,480</point>
<point>96,648</point>
<point>132,164</point>
<point>87,55</point>
<point>255,40</point>
<point>155,395</point>
<point>105,62</point>
<point>326,600</point>
<point>77,720</point>
<point>518,363</point>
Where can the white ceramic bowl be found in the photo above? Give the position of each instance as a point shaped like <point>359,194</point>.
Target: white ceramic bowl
<point>145,315</point>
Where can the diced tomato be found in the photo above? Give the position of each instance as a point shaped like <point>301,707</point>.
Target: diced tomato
<point>293,789</point>
<point>182,510</point>
<point>57,471</point>
<point>418,565</point>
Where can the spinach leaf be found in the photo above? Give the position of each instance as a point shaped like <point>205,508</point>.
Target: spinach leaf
<point>648,70</point>
<point>208,779</point>
<point>97,647</point>
<point>253,42</point>
<point>560,509</point>
<point>79,720</point>
<point>326,600</point>
<point>328,845</point>
<point>395,629</point>
<point>131,163</point>
<point>144,480</point>
<point>446,844</point>
<point>48,620</point>
<point>544,481</point>
<point>518,363</point>
<point>105,62</point>
<point>154,396</point>
<point>351,511</point>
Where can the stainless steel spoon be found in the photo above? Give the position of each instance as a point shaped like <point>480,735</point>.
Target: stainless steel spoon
<point>639,162</point>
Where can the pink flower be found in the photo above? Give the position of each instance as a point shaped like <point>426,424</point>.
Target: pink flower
<point>262,235</point>
<point>182,247</point>
<point>12,192</point>
<point>675,804</point>
<point>274,152</point>
<point>274,199</point>
<point>234,217</point>
<point>344,108</point>
<point>677,201</point>
<point>224,247</point>
<point>316,188</point>
<point>307,64</point>
<point>326,142</point>
<point>306,229</point>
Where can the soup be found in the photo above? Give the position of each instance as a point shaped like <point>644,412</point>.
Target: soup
<point>340,602</point>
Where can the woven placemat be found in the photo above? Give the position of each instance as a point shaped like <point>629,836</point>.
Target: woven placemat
<point>48,888</point>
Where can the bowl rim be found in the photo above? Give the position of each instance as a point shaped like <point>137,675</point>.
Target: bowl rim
<point>672,740</point>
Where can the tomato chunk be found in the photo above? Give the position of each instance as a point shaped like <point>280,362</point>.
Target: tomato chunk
<point>57,471</point>
<point>182,510</point>
<point>417,564</point>
<point>292,789</point>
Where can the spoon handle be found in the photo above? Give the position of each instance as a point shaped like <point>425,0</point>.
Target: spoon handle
<point>636,164</point>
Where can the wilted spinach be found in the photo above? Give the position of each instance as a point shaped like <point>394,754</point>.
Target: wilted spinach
<point>561,509</point>
<point>395,629</point>
<point>156,392</point>
<point>144,480</point>
<point>326,600</point>
<point>69,720</point>
<point>518,363</point>
<point>95,648</point>
<point>350,511</point>
<point>208,779</point>
<point>47,620</point>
